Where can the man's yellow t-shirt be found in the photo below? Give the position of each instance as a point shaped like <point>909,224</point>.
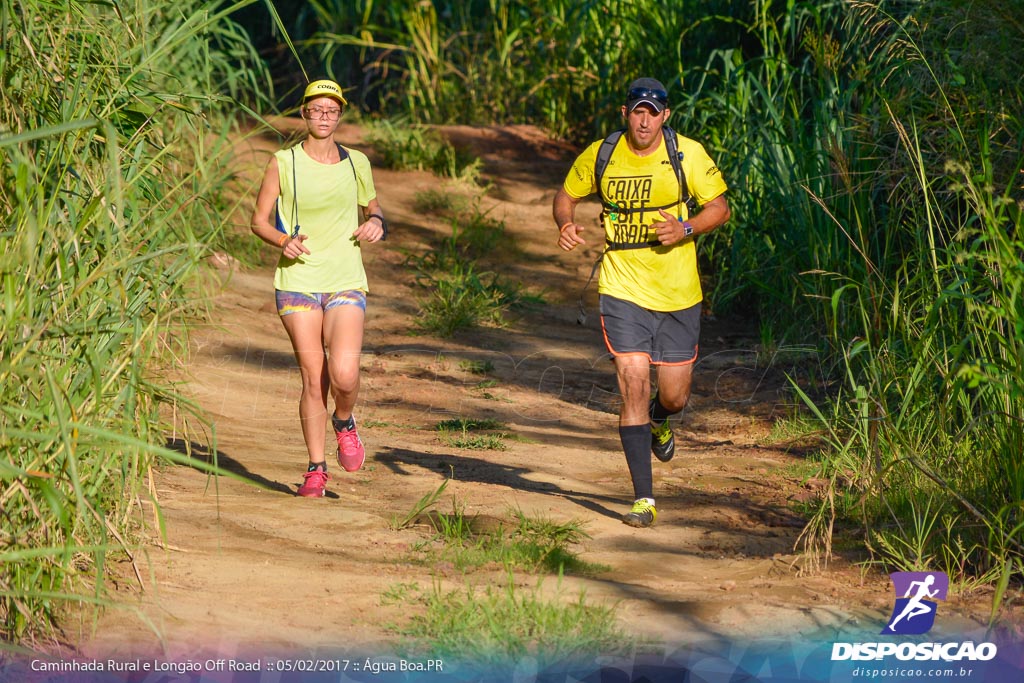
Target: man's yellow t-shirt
<point>328,201</point>
<point>656,278</point>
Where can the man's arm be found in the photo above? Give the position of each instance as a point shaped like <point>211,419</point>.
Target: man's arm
<point>715,213</point>
<point>564,212</point>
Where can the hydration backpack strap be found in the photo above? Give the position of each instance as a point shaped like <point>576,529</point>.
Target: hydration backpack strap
<point>676,157</point>
<point>581,317</point>
<point>613,209</point>
<point>343,154</point>
<point>604,154</point>
<point>295,197</point>
<point>619,246</point>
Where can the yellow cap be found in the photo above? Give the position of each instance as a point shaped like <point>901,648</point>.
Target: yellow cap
<point>324,88</point>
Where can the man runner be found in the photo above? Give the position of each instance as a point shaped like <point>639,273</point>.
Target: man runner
<point>650,294</point>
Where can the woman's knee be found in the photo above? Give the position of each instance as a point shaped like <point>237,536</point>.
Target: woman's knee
<point>344,378</point>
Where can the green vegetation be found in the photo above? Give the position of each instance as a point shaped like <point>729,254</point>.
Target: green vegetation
<point>444,201</point>
<point>473,434</point>
<point>460,299</point>
<point>881,169</point>
<point>474,442</point>
<point>111,190</point>
<point>497,627</point>
<point>532,544</point>
<point>560,64</point>
<point>796,429</point>
<point>873,155</point>
<point>422,505</point>
<point>462,296</point>
<point>477,367</point>
<point>419,148</point>
<point>464,424</point>
<point>475,237</point>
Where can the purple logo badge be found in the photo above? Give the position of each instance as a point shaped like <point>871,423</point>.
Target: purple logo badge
<point>916,593</point>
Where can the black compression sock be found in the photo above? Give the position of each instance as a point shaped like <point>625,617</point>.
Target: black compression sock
<point>341,425</point>
<point>636,444</point>
<point>659,413</point>
<point>317,465</point>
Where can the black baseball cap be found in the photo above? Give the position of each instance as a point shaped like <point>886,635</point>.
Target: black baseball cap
<point>648,91</point>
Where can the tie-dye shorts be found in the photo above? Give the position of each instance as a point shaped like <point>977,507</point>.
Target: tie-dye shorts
<point>296,302</point>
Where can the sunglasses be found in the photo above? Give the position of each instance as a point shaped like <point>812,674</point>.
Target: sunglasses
<point>659,96</point>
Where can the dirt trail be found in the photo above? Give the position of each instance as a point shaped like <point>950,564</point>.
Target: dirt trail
<point>250,569</point>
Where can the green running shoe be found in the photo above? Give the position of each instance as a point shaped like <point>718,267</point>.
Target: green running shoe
<point>642,515</point>
<point>663,443</point>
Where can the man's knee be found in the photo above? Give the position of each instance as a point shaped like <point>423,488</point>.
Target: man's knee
<point>673,398</point>
<point>676,405</point>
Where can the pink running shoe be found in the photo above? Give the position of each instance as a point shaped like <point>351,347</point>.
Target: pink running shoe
<point>350,449</point>
<point>314,484</point>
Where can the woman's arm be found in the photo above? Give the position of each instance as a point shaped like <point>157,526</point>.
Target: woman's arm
<point>261,224</point>
<point>374,226</point>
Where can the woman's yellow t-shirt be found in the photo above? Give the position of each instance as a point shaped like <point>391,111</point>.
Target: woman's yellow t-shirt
<point>327,203</point>
<point>656,278</point>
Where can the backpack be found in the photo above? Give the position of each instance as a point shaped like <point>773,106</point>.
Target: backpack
<point>604,153</point>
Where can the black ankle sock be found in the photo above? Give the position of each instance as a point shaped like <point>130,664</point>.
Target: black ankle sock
<point>659,413</point>
<point>317,466</point>
<point>341,425</point>
<point>636,444</point>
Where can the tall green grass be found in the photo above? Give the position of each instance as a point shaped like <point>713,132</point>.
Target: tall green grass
<point>115,142</point>
<point>562,65</point>
<point>878,178</point>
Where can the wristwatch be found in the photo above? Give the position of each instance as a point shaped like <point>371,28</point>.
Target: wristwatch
<point>383,224</point>
<point>687,229</point>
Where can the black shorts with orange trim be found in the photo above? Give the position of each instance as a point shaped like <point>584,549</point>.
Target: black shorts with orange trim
<point>666,338</point>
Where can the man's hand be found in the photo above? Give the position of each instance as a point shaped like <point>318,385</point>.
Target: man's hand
<point>569,236</point>
<point>670,230</point>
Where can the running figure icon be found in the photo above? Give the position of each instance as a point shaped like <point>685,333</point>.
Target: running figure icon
<point>915,607</point>
<point>914,612</point>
